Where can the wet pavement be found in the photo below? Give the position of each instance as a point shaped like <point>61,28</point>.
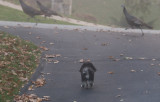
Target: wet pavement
<point>128,65</point>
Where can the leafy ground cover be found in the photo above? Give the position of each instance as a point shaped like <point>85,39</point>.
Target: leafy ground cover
<point>18,60</point>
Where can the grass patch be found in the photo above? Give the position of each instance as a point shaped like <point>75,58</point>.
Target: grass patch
<point>9,14</point>
<point>18,60</point>
<point>109,12</point>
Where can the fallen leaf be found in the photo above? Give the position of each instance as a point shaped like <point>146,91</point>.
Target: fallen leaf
<point>128,58</point>
<point>76,29</point>
<point>133,70</point>
<point>104,44</point>
<point>119,88</point>
<point>116,59</point>
<point>31,87</point>
<point>153,59</point>
<point>28,98</point>
<point>142,58</point>
<point>111,57</point>
<point>50,56</point>
<point>48,73</point>
<point>118,96</point>
<point>88,60</point>
<point>44,48</point>
<point>23,79</point>
<point>39,82</point>
<point>51,43</point>
<point>49,60</point>
<point>38,37</point>
<point>46,98</point>
<point>110,72</point>
<point>121,54</point>
<point>42,42</point>
<point>56,61</point>
<point>58,55</point>
<point>27,27</point>
<point>81,60</point>
<point>6,27</point>
<point>13,72</point>
<point>85,48</point>
<point>129,40</point>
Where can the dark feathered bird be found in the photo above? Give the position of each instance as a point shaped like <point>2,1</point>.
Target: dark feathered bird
<point>29,10</point>
<point>133,21</point>
<point>46,11</point>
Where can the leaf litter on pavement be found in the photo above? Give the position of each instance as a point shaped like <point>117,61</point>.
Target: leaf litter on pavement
<point>83,60</point>
<point>50,58</point>
<point>30,98</point>
<point>44,48</point>
<point>39,82</point>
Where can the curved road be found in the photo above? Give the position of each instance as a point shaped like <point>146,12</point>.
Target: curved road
<point>127,64</point>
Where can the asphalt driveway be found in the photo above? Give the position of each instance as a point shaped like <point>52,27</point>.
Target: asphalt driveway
<point>128,65</point>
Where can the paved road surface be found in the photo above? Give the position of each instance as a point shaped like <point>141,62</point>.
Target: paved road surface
<point>134,61</point>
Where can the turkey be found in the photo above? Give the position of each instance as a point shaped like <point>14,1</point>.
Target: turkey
<point>29,10</point>
<point>133,21</point>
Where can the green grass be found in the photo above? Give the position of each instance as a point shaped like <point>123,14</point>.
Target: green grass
<point>9,14</point>
<point>18,60</point>
<point>109,12</point>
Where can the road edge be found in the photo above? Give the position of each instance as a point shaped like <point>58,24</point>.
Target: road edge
<point>75,27</point>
